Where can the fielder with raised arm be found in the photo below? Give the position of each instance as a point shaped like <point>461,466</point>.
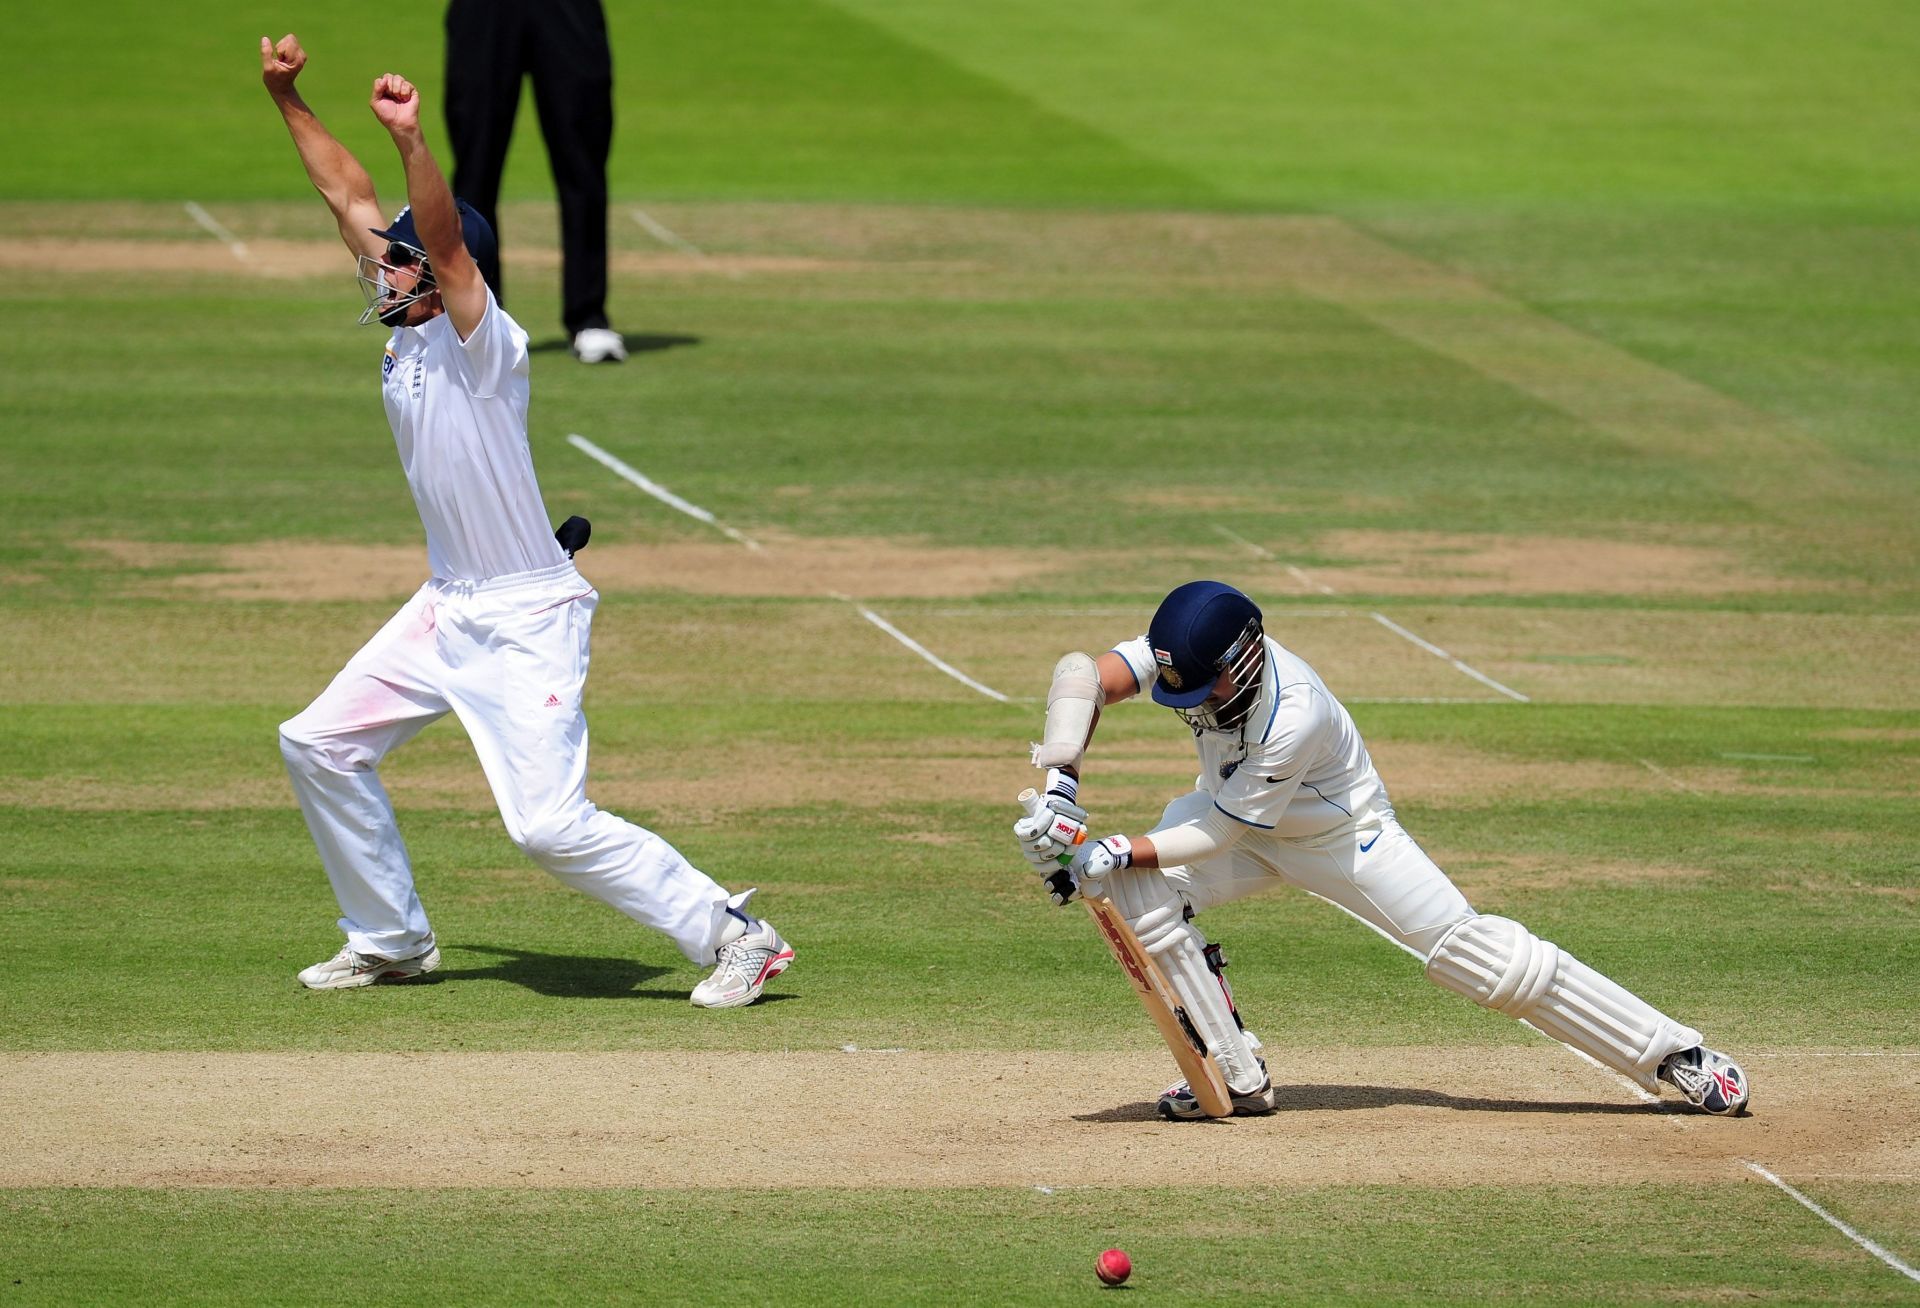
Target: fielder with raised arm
<point>1287,793</point>
<point>499,635</point>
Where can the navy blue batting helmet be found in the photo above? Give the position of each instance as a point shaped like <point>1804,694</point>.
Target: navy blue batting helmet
<point>1201,630</point>
<point>476,233</point>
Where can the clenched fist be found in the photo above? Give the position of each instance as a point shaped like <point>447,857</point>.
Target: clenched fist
<point>280,64</point>
<point>395,103</point>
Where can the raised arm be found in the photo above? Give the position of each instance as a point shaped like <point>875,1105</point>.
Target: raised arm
<point>462,290</point>
<point>330,166</point>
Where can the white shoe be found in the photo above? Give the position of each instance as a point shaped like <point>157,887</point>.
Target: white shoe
<point>1178,1103</point>
<point>348,969</point>
<point>1710,1080</point>
<point>599,345</point>
<point>746,964</point>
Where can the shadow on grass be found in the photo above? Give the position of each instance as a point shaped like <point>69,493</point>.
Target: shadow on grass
<point>571,976</point>
<point>637,343</point>
<point>1342,1098</point>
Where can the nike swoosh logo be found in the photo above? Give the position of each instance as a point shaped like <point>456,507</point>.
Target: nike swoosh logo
<point>1371,843</point>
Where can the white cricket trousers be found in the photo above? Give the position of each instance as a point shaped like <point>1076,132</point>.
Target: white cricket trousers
<point>1372,868</point>
<point>508,657</point>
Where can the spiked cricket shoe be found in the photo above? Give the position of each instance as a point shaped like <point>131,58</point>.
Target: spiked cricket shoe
<point>348,969</point>
<point>1710,1080</point>
<point>1179,1105</point>
<point>746,964</point>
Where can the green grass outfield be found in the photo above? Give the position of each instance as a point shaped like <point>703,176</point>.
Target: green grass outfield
<point>1582,345</point>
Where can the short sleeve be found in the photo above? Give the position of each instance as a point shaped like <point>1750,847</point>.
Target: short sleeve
<point>494,352</point>
<point>1139,656</point>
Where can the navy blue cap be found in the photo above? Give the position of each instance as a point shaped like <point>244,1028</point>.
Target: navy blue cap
<point>1192,632</point>
<point>476,233</point>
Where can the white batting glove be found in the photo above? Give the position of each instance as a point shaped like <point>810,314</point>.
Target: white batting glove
<point>1100,858</point>
<point>1050,835</point>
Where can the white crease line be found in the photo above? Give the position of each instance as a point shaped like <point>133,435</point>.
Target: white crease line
<point>658,491</point>
<point>1437,652</point>
<point>664,234</point>
<point>693,510</point>
<point>199,214</point>
<point>1419,699</point>
<point>1645,1095</point>
<point>1374,927</point>
<point>1666,776</point>
<point>1271,557</point>
<point>1834,1053</point>
<point>1876,1250</point>
<point>1381,618</point>
<point>920,649</point>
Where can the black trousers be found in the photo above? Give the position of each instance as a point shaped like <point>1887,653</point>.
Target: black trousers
<point>562,45</point>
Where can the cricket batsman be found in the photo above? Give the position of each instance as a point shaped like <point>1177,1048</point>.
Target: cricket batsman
<point>498,635</point>
<point>1287,793</point>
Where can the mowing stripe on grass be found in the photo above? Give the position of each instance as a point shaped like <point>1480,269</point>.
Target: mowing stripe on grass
<point>1643,405</point>
<point>659,492</point>
<point>1878,1251</point>
<point>219,229</point>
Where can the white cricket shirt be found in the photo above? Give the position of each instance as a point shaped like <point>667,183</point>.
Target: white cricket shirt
<point>1297,767</point>
<point>459,415</point>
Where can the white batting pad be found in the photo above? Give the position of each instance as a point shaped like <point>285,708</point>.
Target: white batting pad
<point>1158,917</point>
<point>1499,964</point>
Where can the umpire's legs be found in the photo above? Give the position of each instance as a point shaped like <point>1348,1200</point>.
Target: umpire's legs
<point>486,63</point>
<point>573,91</point>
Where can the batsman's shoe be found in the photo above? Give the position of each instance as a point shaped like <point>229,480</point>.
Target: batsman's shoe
<point>348,969</point>
<point>746,964</point>
<point>1710,1080</point>
<point>1179,1105</point>
<point>599,345</point>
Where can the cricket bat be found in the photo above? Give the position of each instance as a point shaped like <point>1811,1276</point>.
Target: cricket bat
<point>1156,994</point>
